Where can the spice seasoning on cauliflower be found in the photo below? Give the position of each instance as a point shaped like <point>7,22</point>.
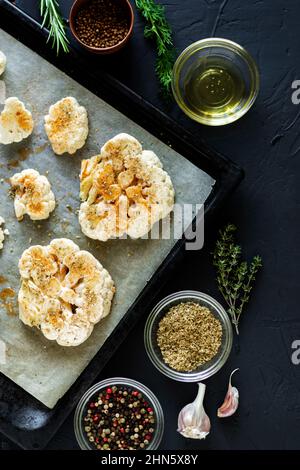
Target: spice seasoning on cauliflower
<point>66,126</point>
<point>32,195</point>
<point>2,232</point>
<point>16,121</point>
<point>124,190</point>
<point>64,291</point>
<point>2,62</point>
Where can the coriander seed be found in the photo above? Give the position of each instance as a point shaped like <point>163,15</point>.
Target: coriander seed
<point>102,23</point>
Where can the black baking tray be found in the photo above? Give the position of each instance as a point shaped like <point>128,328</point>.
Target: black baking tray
<point>22,418</point>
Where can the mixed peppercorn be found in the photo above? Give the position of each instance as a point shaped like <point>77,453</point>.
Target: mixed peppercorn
<point>119,418</point>
<point>102,23</point>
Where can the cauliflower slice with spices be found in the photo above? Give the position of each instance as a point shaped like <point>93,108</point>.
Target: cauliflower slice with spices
<point>2,232</point>
<point>2,62</point>
<point>124,190</point>
<point>64,291</point>
<point>32,195</point>
<point>66,126</point>
<point>16,121</point>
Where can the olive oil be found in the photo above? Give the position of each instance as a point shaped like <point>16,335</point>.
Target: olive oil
<point>214,87</point>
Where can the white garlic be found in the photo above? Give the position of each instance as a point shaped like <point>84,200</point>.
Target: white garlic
<point>193,422</point>
<point>231,401</point>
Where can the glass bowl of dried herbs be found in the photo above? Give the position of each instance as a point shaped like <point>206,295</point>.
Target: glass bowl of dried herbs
<point>188,336</point>
<point>119,414</point>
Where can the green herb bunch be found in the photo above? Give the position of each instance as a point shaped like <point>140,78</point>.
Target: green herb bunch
<point>53,21</point>
<point>235,277</point>
<point>159,29</point>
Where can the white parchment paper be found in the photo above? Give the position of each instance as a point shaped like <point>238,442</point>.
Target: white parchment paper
<point>41,367</point>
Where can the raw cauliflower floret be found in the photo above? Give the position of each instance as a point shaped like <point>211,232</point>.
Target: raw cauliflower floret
<point>32,195</point>
<point>64,291</point>
<point>2,232</point>
<point>2,62</point>
<point>66,126</point>
<point>16,121</point>
<point>124,190</point>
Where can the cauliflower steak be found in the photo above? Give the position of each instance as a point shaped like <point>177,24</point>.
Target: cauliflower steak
<point>64,291</point>
<point>66,126</point>
<point>32,195</point>
<point>16,121</point>
<point>2,62</point>
<point>124,190</point>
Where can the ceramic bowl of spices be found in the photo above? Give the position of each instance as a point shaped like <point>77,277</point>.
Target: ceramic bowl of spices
<point>188,336</point>
<point>119,414</point>
<point>101,26</point>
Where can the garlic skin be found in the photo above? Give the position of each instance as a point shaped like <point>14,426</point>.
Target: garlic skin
<point>193,422</point>
<point>231,401</point>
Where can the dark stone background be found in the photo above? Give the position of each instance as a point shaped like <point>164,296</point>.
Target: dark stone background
<point>266,143</point>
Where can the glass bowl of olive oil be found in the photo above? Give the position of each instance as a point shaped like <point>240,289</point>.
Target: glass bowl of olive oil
<point>215,81</point>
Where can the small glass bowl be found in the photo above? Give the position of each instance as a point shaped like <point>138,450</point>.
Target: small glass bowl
<point>150,336</point>
<point>221,51</point>
<point>81,409</point>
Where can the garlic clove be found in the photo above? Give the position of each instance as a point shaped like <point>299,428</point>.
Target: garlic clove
<point>231,401</point>
<point>193,422</point>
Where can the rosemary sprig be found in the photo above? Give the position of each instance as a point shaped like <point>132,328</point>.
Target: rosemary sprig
<point>53,21</point>
<point>235,278</point>
<point>159,29</point>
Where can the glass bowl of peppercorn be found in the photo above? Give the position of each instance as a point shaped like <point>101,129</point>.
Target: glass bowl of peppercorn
<point>188,336</point>
<point>119,414</point>
<point>101,26</point>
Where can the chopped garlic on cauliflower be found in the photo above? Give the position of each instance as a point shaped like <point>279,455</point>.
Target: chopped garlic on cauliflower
<point>32,195</point>
<point>16,121</point>
<point>66,126</point>
<point>2,232</point>
<point>2,62</point>
<point>124,190</point>
<point>64,291</point>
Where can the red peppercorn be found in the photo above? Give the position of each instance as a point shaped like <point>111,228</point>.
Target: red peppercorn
<point>149,409</point>
<point>148,437</point>
<point>109,390</point>
<point>135,393</point>
<point>105,439</point>
<point>92,405</point>
<point>122,430</point>
<point>96,418</point>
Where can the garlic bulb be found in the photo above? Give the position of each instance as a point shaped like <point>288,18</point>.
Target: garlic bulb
<point>193,422</point>
<point>231,401</point>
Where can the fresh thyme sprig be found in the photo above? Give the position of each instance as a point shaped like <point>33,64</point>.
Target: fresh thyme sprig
<point>53,21</point>
<point>159,29</point>
<point>235,278</point>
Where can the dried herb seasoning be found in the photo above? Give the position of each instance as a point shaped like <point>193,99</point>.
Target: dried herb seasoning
<point>189,335</point>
